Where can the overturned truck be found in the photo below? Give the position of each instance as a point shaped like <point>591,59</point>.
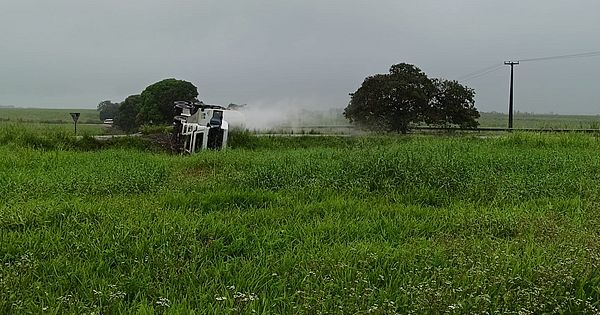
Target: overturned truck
<point>198,126</point>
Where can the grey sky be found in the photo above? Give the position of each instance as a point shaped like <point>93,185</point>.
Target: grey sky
<point>75,53</point>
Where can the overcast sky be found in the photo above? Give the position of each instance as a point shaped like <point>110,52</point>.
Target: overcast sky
<point>76,53</point>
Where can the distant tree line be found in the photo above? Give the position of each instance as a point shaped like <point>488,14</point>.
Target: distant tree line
<point>396,101</point>
<point>406,97</point>
<point>153,106</point>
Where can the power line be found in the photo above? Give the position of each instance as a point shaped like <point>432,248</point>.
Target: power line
<point>495,67</point>
<point>481,71</point>
<point>512,64</point>
<point>580,55</point>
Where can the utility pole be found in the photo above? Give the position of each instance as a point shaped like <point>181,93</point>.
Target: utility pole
<point>510,102</point>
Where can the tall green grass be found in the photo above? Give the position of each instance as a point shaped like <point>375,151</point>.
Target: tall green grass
<point>309,225</point>
<point>59,139</point>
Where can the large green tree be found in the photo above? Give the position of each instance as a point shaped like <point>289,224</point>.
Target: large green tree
<point>453,104</point>
<point>127,113</point>
<point>156,104</point>
<point>405,97</point>
<point>107,109</point>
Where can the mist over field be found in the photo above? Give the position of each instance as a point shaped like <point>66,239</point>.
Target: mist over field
<point>268,115</point>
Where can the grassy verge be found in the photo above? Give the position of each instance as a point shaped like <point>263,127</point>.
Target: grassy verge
<point>59,139</point>
<point>303,225</point>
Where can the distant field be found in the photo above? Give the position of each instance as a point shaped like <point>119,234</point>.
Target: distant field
<point>322,121</point>
<point>53,120</point>
<point>542,121</point>
<point>327,121</point>
<point>45,115</point>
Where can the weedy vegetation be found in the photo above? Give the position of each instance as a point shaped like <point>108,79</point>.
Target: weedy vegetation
<point>345,225</point>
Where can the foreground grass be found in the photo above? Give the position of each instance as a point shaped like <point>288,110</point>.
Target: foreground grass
<point>303,225</point>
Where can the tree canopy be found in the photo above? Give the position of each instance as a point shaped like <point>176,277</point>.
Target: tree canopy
<point>153,106</point>
<point>127,113</point>
<point>406,96</point>
<point>107,109</point>
<point>156,103</point>
<point>452,105</point>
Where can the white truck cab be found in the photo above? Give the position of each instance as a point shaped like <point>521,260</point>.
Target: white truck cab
<point>198,126</point>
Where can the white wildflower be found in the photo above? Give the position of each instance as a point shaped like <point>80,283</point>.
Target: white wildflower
<point>163,302</point>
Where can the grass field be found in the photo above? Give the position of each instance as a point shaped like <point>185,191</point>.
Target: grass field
<point>52,121</point>
<point>352,225</point>
<point>319,121</point>
<point>48,115</point>
<point>541,121</point>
